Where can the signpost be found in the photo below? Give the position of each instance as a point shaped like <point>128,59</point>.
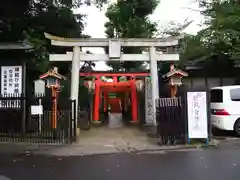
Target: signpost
<point>11,79</point>
<point>39,90</point>
<point>11,85</point>
<point>197,116</point>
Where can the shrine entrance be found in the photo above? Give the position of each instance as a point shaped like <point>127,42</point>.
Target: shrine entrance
<point>115,94</point>
<point>125,92</point>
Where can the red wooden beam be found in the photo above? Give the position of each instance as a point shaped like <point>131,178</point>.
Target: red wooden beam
<point>95,74</point>
<point>116,84</point>
<point>114,90</point>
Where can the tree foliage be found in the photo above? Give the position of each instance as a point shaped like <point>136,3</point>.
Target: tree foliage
<point>223,27</point>
<point>191,46</point>
<point>129,19</point>
<point>219,38</point>
<point>27,21</point>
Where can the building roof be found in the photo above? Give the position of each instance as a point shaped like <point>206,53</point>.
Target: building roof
<point>15,46</point>
<point>52,73</point>
<point>175,71</point>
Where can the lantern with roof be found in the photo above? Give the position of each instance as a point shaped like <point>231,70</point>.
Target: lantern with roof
<point>174,79</point>
<point>53,78</point>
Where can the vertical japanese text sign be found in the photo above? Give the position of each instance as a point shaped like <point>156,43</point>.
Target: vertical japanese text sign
<point>197,115</point>
<point>11,81</point>
<point>148,99</point>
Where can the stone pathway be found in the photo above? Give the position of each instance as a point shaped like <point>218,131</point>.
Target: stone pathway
<point>104,140</point>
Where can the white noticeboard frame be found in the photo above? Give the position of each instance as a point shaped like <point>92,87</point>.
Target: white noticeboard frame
<point>11,79</point>
<point>197,115</point>
<point>11,85</point>
<point>36,110</point>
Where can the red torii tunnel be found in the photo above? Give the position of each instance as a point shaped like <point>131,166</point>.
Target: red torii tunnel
<point>128,86</point>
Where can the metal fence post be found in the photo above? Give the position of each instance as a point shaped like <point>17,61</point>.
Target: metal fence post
<point>185,112</point>
<point>24,96</point>
<point>209,116</point>
<point>23,109</point>
<point>40,116</point>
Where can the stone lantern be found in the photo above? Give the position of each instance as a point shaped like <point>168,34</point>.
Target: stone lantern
<point>174,78</point>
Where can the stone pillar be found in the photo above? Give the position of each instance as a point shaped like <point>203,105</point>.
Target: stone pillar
<point>75,75</point>
<point>154,81</point>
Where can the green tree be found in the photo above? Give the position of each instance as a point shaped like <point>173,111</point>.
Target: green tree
<point>223,27</point>
<point>190,47</point>
<point>59,21</point>
<point>129,19</point>
<point>28,22</point>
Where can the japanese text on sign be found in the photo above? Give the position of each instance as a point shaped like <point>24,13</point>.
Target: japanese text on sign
<point>11,80</point>
<point>197,115</point>
<point>148,99</point>
<point>11,85</point>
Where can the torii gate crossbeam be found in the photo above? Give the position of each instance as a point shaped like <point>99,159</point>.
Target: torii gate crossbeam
<point>115,54</point>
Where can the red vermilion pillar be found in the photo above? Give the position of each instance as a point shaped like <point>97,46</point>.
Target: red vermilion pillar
<point>123,103</point>
<point>54,108</point>
<point>134,101</point>
<point>105,101</point>
<point>96,99</point>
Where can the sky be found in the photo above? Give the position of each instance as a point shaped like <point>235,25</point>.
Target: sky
<point>167,10</point>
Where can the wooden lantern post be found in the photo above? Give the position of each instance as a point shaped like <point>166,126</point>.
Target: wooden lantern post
<point>174,77</point>
<point>52,78</point>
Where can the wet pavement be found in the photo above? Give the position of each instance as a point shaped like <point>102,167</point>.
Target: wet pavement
<point>222,163</point>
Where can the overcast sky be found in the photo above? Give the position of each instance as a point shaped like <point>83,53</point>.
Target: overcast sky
<point>167,10</point>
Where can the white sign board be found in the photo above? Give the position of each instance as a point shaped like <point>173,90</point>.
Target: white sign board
<point>11,85</point>
<point>39,87</point>
<point>36,110</point>
<point>148,100</point>
<point>197,115</point>
<point>11,80</point>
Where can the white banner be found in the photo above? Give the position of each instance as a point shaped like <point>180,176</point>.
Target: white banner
<point>197,115</point>
<point>11,85</point>
<point>11,80</point>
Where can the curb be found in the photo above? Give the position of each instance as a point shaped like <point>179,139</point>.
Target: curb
<point>43,149</point>
<point>132,151</point>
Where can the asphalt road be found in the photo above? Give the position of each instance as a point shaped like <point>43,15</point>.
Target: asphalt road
<point>213,164</point>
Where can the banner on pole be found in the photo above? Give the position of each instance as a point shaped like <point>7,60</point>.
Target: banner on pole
<point>197,115</point>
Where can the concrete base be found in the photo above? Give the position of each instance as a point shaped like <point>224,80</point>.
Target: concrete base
<point>151,130</point>
<point>96,122</point>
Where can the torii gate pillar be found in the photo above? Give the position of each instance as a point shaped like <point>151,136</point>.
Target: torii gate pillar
<point>75,75</point>
<point>154,81</point>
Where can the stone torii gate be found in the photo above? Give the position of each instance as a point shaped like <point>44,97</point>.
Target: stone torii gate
<point>115,54</point>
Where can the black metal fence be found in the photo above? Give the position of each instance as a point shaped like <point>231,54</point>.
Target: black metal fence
<point>172,120</point>
<point>19,124</point>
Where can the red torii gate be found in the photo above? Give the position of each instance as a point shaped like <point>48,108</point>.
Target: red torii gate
<point>115,86</point>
